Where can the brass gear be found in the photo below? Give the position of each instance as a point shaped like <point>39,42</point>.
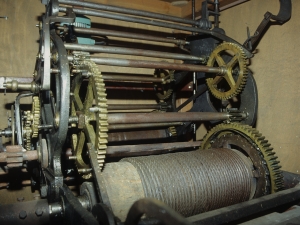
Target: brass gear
<point>36,114</point>
<point>32,122</point>
<point>95,97</point>
<point>225,86</point>
<point>167,75</point>
<point>257,141</point>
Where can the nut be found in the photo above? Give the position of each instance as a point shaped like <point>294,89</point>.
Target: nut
<point>39,212</point>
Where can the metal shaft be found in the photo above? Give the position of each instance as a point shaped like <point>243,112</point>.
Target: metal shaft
<point>114,77</point>
<point>132,19</point>
<point>113,33</point>
<point>128,11</point>
<point>133,106</point>
<point>129,51</point>
<point>148,149</point>
<point>137,135</point>
<point>141,125</point>
<point>155,65</point>
<point>123,118</point>
<point>157,23</point>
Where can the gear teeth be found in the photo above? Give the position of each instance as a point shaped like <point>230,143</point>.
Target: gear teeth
<point>35,116</point>
<point>243,73</point>
<point>263,147</point>
<point>96,82</point>
<point>102,124</point>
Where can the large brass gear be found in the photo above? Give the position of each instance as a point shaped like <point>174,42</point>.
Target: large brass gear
<point>257,141</point>
<point>232,58</point>
<point>95,97</point>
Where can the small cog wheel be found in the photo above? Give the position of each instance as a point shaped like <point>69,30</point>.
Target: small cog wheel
<point>168,76</point>
<point>32,122</point>
<point>35,113</point>
<point>232,58</point>
<point>249,141</point>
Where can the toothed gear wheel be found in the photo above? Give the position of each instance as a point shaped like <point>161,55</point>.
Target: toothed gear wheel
<point>232,58</point>
<point>168,76</point>
<point>27,131</point>
<point>88,94</point>
<point>35,113</point>
<point>251,142</point>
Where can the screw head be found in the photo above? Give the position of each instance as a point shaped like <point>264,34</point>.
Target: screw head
<point>23,214</point>
<point>39,212</point>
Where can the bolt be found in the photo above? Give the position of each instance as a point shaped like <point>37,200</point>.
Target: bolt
<point>44,191</point>
<point>20,199</point>
<point>39,212</point>
<point>4,17</point>
<point>22,214</point>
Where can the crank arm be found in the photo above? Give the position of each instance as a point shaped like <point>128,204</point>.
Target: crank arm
<point>283,16</point>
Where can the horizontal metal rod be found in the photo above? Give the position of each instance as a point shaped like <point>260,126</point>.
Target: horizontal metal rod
<point>132,106</point>
<point>141,125</point>
<point>148,149</point>
<point>155,65</point>
<point>157,23</point>
<point>131,19</point>
<point>122,118</point>
<point>4,80</point>
<point>137,135</point>
<point>130,88</point>
<point>130,51</point>
<point>122,34</point>
<point>129,11</point>
<point>133,78</point>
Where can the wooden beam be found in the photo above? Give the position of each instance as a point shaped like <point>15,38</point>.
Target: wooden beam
<point>151,6</point>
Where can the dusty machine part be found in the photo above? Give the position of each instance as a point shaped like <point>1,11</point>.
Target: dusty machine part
<point>239,136</point>
<point>189,182</point>
<point>233,82</point>
<point>15,155</point>
<point>30,212</point>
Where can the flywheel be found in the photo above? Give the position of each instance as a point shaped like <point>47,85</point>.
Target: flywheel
<point>232,58</point>
<point>250,142</point>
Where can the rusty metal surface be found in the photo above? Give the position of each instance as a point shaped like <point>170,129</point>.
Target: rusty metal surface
<point>123,118</point>
<point>137,135</point>
<point>30,155</point>
<point>130,51</point>
<point>195,182</point>
<point>155,65</point>
<point>30,212</point>
<point>122,34</point>
<point>14,155</point>
<point>148,149</point>
<point>141,125</point>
